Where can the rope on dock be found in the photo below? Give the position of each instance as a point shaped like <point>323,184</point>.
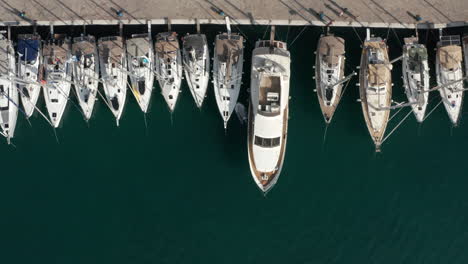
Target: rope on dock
<point>395,128</point>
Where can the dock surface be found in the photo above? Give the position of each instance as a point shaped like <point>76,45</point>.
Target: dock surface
<point>357,13</point>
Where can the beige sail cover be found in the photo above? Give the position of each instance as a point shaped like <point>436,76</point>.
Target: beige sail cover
<point>331,48</point>
<point>450,56</point>
<point>378,74</point>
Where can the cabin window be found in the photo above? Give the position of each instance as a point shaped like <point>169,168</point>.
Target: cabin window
<point>2,89</point>
<point>197,87</point>
<point>7,125</point>
<point>267,142</point>
<point>54,100</point>
<point>232,86</point>
<point>54,115</point>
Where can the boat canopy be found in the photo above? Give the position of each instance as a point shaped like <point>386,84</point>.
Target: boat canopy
<point>450,56</point>
<point>417,55</point>
<point>28,48</point>
<point>378,74</point>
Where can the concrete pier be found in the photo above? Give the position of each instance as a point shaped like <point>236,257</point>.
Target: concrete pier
<point>341,13</point>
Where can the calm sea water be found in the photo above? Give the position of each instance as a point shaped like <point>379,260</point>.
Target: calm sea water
<point>181,191</point>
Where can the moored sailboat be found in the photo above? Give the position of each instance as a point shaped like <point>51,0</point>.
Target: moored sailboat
<point>416,76</point>
<point>375,87</point>
<point>268,111</point>
<point>8,91</point>
<point>227,71</point>
<point>113,66</point>
<point>140,65</point>
<point>329,71</point>
<point>57,75</point>
<point>168,67</point>
<point>85,72</point>
<point>448,70</point>
<point>196,65</point>
<point>29,60</point>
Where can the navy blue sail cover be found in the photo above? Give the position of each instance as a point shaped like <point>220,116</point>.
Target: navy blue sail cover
<point>28,48</point>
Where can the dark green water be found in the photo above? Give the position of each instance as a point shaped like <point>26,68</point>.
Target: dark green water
<point>183,193</point>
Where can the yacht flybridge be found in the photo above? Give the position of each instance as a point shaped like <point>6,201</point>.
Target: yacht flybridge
<point>375,87</point>
<point>227,71</point>
<point>416,76</point>
<point>329,72</point>
<point>268,111</point>
<point>196,65</point>
<point>168,67</point>
<point>29,59</point>
<point>113,65</point>
<point>8,92</point>
<point>140,65</point>
<point>57,76</point>
<point>448,70</point>
<point>85,72</point>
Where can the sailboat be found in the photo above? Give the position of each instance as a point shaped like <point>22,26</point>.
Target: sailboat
<point>29,59</point>
<point>168,67</point>
<point>9,100</point>
<point>416,76</point>
<point>268,111</point>
<point>57,75</point>
<point>227,71</point>
<point>375,87</point>
<point>85,72</point>
<point>449,69</point>
<point>196,65</point>
<point>113,65</point>
<point>140,65</point>
<point>329,71</point>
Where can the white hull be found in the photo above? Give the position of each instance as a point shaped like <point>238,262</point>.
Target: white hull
<point>86,75</point>
<point>452,95</point>
<point>30,91</point>
<point>169,69</point>
<point>57,70</point>
<point>140,65</point>
<point>448,69</point>
<point>9,99</point>
<point>113,66</point>
<point>227,77</point>
<point>56,98</point>
<point>329,70</point>
<point>416,83</point>
<point>197,68</point>
<point>268,112</point>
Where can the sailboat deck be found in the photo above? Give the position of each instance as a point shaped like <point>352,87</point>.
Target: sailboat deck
<point>450,56</point>
<point>111,49</point>
<point>229,49</point>
<point>55,52</point>
<point>137,47</point>
<point>331,48</point>
<point>167,45</point>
